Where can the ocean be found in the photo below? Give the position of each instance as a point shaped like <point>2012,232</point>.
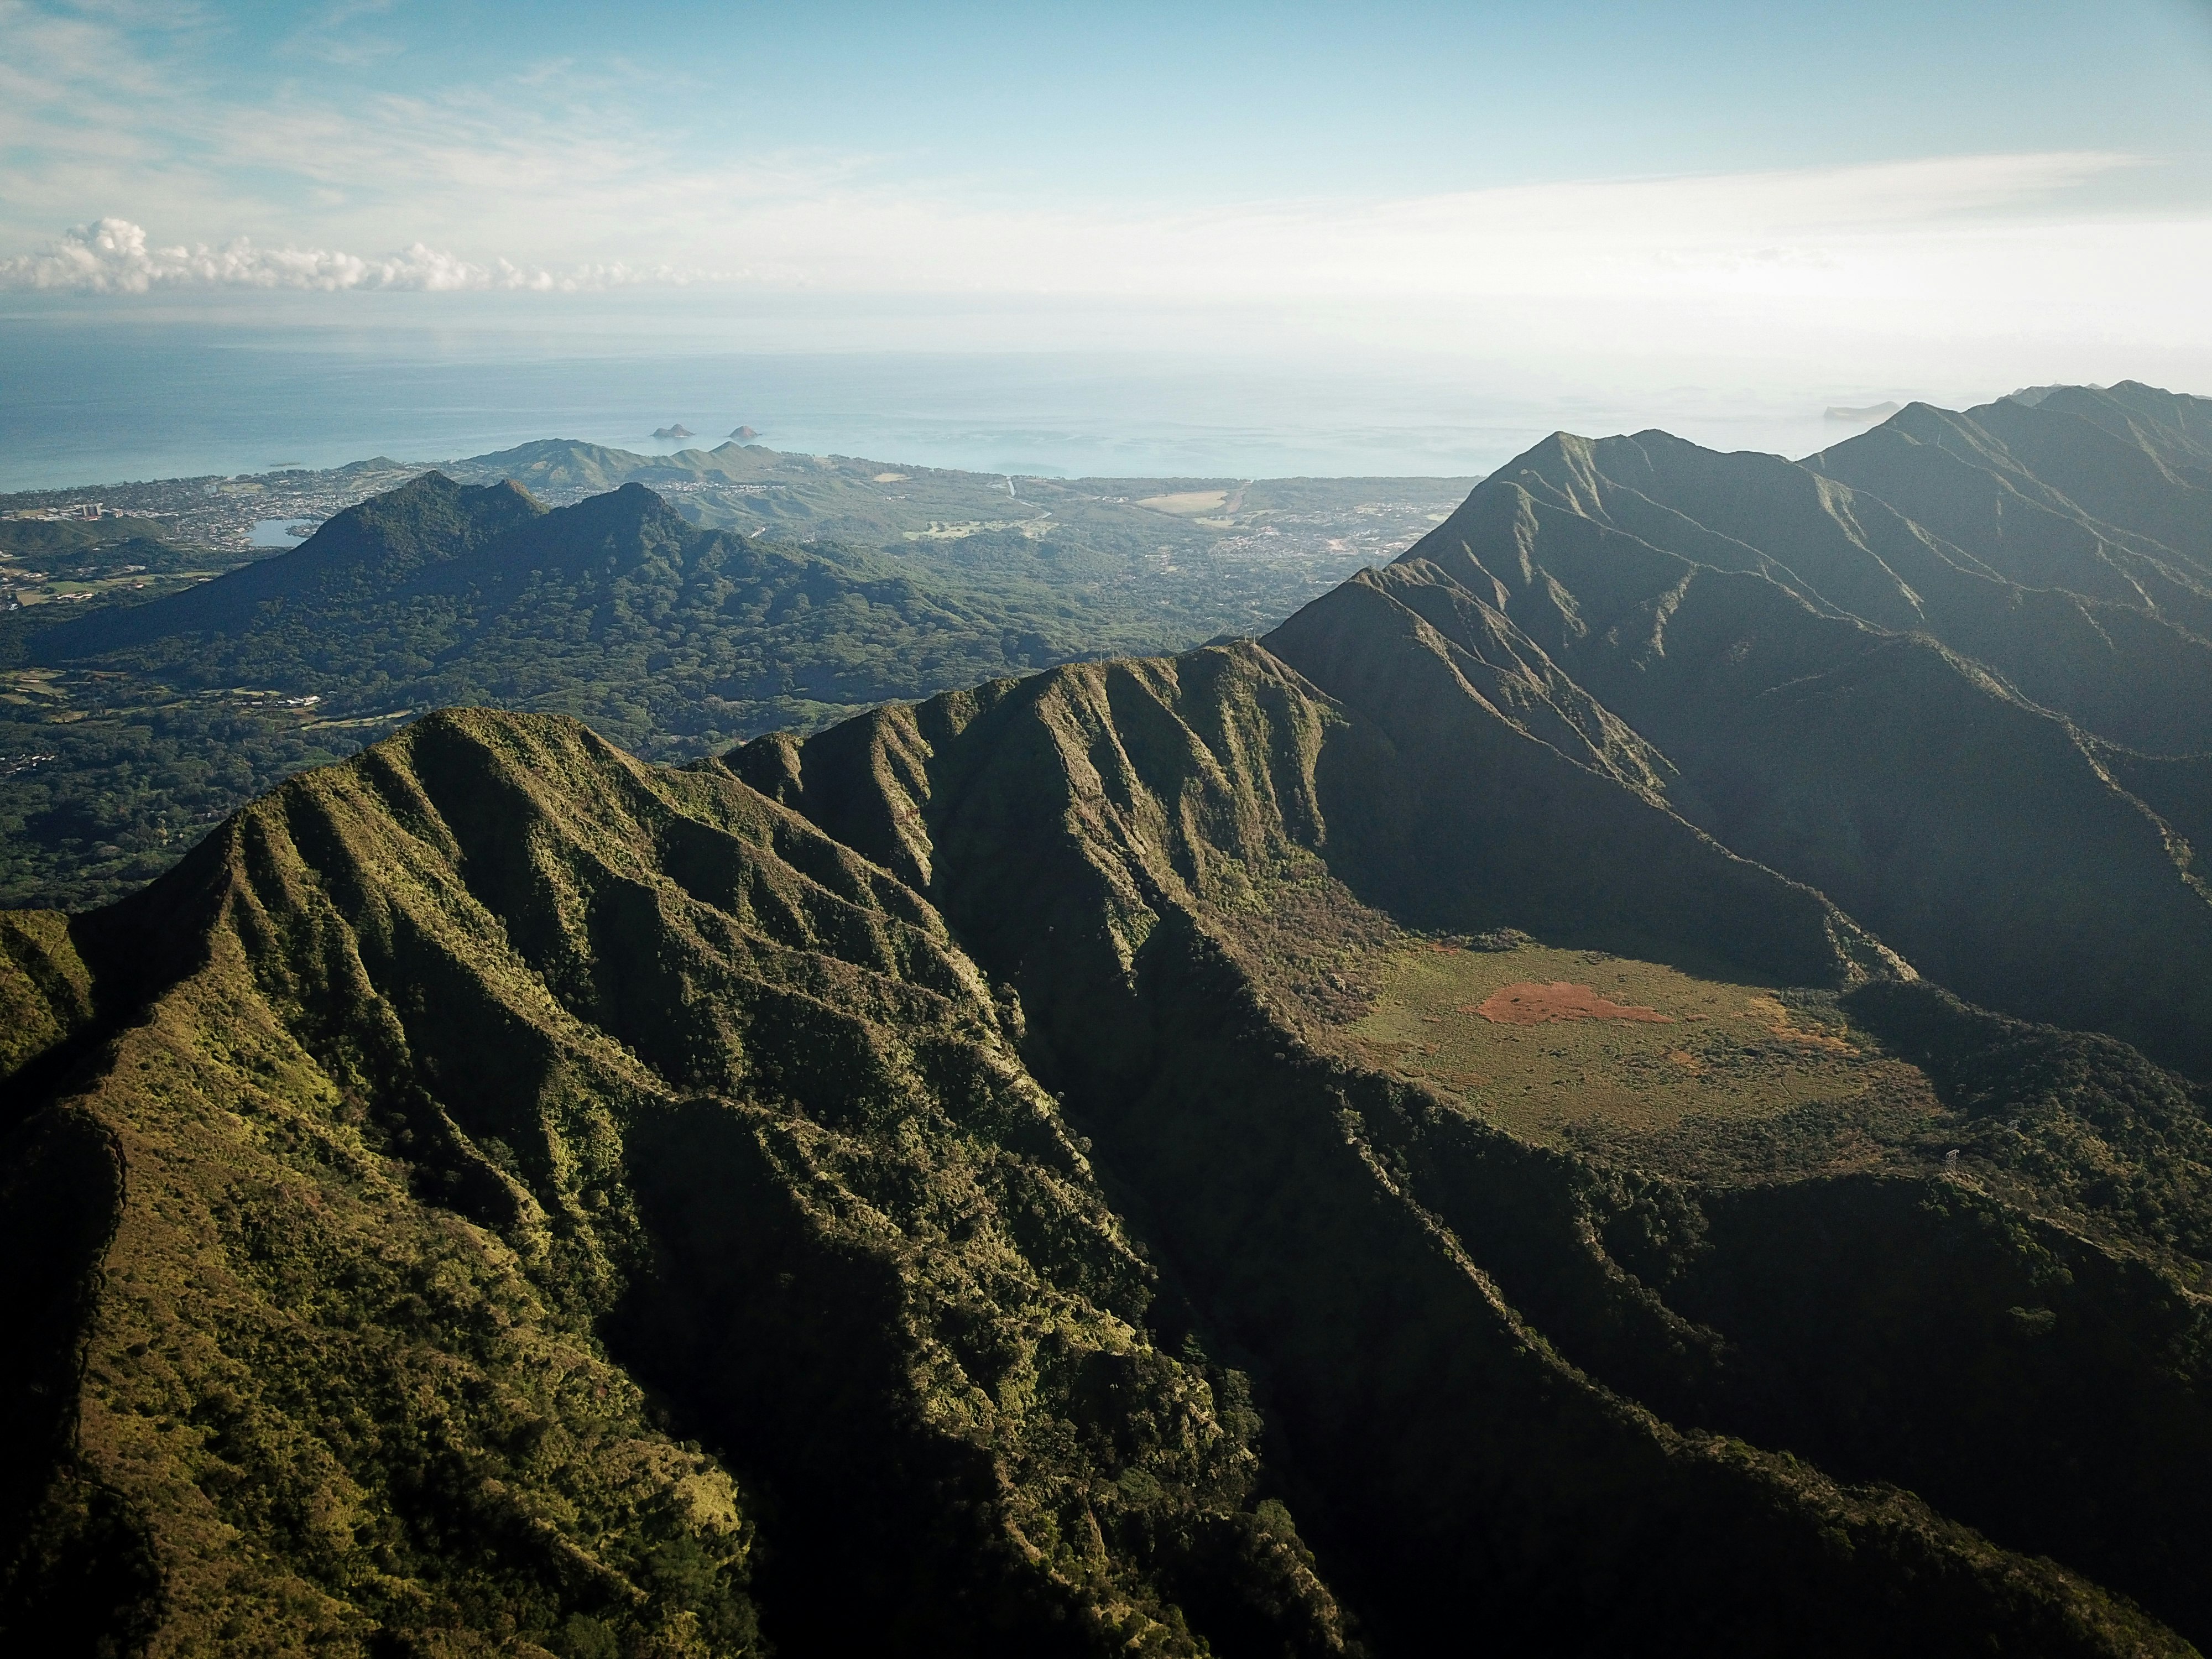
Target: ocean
<point>93,395</point>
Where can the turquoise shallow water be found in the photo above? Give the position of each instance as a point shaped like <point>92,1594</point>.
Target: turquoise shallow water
<point>91,398</point>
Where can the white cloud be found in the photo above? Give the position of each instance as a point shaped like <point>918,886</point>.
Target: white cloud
<point>1576,238</point>
<point>112,257</point>
<point>1953,244</point>
<point>568,179</point>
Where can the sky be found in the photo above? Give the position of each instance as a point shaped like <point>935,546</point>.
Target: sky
<point>1858,195</point>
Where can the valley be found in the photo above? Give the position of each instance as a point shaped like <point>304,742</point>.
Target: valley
<point>1539,1042</point>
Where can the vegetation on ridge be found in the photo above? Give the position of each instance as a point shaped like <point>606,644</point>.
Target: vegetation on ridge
<point>435,1065</point>
<point>1484,1358</point>
<point>1944,747</point>
<point>1207,1155</point>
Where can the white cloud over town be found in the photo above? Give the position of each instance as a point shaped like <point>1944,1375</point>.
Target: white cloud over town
<point>114,256</point>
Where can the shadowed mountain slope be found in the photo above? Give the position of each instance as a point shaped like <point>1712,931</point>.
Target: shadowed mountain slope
<point>503,1192</point>
<point>1120,842</point>
<point>2129,675</point>
<point>1975,828</point>
<point>432,1067</point>
<point>1957,478</point>
<point>1494,826</point>
<point>2134,456</point>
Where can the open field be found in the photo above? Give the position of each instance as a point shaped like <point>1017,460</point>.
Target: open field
<point>1546,1042</point>
<point>1188,504</point>
<point>934,531</point>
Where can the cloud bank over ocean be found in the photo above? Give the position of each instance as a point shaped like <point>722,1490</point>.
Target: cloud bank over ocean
<point>114,256</point>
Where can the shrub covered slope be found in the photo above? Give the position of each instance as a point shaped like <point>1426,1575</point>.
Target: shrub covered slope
<point>448,1101</point>
<point>1058,1167</point>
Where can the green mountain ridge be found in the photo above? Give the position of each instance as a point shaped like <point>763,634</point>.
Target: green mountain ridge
<point>1960,482</point>
<point>1449,1126</point>
<point>460,593</point>
<point>1159,1063</point>
<point>459,1118</point>
<point>574,1039</point>
<point>1972,814</point>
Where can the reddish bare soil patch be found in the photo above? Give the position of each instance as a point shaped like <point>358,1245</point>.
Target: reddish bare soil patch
<point>1530,1004</point>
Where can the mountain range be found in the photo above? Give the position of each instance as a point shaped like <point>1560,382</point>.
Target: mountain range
<point>736,591</point>
<point>1632,1081</point>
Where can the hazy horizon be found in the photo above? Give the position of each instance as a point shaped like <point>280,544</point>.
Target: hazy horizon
<point>1726,209</point>
<point>93,393</point>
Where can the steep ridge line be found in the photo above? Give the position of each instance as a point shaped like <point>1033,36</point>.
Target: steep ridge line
<point>452,1036</point>
<point>1980,831</point>
<point>509,886</point>
<point>1275,1181</point>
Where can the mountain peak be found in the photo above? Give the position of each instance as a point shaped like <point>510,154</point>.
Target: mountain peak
<point>748,1091</point>
<point>362,551</point>
<point>633,508</point>
<point>425,520</point>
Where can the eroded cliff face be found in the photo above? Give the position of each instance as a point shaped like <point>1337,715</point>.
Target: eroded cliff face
<point>1975,748</point>
<point>502,1192</point>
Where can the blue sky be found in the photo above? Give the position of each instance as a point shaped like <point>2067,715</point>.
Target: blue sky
<point>1180,102</point>
<point>1826,179</point>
